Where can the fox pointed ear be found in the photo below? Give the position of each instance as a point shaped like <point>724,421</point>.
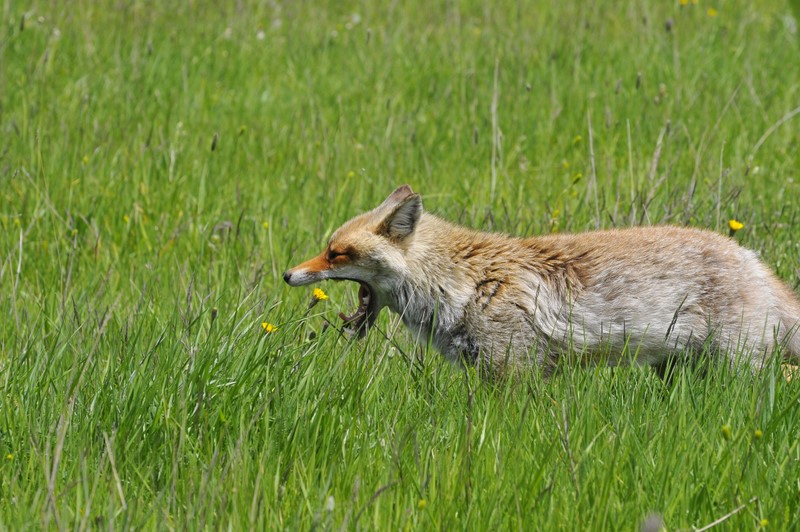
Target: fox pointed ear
<point>399,195</point>
<point>403,217</point>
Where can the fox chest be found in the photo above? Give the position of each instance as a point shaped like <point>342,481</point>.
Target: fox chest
<point>447,330</point>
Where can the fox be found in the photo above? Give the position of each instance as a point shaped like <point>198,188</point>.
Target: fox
<point>640,295</point>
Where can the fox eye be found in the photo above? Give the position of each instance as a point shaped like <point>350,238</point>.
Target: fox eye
<point>332,255</point>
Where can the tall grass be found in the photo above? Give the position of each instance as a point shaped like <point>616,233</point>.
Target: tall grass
<point>162,164</point>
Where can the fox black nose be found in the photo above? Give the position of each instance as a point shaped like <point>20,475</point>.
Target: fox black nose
<point>287,276</point>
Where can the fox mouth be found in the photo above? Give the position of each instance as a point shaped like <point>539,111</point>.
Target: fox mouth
<point>364,316</point>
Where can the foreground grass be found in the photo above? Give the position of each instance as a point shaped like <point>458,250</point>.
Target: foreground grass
<point>161,168</point>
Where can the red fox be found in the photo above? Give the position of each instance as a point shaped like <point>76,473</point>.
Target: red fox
<point>643,295</point>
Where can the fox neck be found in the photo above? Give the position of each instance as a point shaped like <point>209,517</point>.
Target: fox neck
<point>430,295</point>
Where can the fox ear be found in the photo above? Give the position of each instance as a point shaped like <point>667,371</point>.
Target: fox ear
<point>402,219</point>
<point>399,195</point>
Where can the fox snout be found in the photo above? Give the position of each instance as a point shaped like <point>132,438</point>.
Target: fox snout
<point>311,271</point>
<point>300,276</point>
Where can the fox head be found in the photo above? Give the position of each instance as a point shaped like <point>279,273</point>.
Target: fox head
<point>369,249</point>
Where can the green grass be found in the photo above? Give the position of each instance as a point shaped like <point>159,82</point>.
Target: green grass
<point>161,166</point>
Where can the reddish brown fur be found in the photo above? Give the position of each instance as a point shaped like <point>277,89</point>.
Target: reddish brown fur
<point>498,301</point>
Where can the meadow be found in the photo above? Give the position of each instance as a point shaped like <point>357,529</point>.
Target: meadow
<point>162,164</point>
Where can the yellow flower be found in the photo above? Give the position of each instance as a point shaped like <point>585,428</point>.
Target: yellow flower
<point>351,174</point>
<point>577,139</point>
<point>726,432</point>
<point>712,12</point>
<point>319,295</point>
<point>268,327</point>
<point>265,225</point>
<point>764,522</point>
<point>735,225</point>
<point>684,2</point>
<point>758,434</point>
<point>126,219</point>
<point>422,504</point>
<point>9,456</point>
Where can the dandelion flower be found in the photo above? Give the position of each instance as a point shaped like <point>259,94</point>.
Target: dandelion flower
<point>712,12</point>
<point>735,225</point>
<point>758,434</point>
<point>9,456</point>
<point>422,504</point>
<point>764,522</point>
<point>268,327</point>
<point>265,225</point>
<point>319,295</point>
<point>726,432</point>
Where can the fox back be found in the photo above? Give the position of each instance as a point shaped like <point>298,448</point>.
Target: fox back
<point>639,295</point>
